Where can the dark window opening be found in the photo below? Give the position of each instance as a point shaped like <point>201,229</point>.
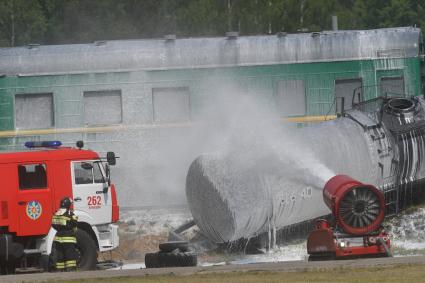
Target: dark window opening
<point>88,173</point>
<point>32,176</point>
<point>347,93</point>
<point>97,173</point>
<point>83,173</point>
<point>392,86</point>
<point>423,84</point>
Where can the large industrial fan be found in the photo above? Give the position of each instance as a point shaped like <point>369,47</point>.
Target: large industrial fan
<point>358,211</point>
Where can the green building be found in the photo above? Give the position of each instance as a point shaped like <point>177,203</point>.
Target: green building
<point>145,99</point>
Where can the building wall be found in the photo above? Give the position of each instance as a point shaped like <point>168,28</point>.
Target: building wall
<point>136,87</point>
<point>149,164</point>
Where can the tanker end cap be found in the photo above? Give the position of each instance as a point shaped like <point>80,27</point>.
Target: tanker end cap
<point>358,208</point>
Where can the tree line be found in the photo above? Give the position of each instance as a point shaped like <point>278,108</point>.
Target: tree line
<point>81,21</point>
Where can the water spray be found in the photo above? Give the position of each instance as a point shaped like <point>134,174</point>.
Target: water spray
<point>381,142</point>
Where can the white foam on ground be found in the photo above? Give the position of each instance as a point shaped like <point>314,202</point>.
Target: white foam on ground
<point>409,245</point>
<point>284,253</point>
<point>287,253</point>
<point>154,221</point>
<point>137,265</point>
<point>406,230</point>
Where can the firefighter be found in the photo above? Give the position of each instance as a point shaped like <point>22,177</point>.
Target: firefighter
<point>65,223</point>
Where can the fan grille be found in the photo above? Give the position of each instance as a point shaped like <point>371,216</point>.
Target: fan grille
<point>360,207</point>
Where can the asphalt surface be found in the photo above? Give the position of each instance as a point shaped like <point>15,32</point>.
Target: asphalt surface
<point>289,266</point>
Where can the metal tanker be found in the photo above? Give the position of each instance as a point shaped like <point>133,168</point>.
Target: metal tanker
<point>379,142</point>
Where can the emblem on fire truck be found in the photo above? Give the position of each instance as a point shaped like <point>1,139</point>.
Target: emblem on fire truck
<point>34,209</point>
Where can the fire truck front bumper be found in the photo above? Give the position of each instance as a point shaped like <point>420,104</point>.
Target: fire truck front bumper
<point>9,250</point>
<point>107,236</point>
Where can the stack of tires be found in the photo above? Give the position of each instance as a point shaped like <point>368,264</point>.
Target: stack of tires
<point>171,254</point>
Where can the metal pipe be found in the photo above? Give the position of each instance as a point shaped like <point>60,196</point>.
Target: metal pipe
<point>335,23</point>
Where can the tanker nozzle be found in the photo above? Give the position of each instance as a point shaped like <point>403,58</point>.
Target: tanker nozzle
<point>358,208</point>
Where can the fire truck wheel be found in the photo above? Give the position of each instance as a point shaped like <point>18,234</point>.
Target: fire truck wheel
<point>46,263</point>
<point>87,251</point>
<point>183,246</point>
<point>7,268</point>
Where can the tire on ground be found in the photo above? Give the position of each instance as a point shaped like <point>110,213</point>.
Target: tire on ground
<point>151,260</point>
<point>87,250</point>
<point>188,259</point>
<point>163,259</point>
<point>183,246</point>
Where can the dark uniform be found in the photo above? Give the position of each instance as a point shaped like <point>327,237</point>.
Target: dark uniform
<point>65,223</point>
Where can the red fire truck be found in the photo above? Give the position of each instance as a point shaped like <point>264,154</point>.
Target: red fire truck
<point>33,183</point>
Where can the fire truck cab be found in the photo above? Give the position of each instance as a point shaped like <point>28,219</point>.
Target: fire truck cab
<point>32,185</point>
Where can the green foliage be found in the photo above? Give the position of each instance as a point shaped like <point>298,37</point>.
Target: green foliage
<point>200,17</point>
<point>401,13</point>
<point>21,22</point>
<point>79,21</point>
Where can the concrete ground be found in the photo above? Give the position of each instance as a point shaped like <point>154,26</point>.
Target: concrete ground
<point>290,266</point>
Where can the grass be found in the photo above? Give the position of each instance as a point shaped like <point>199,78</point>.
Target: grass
<point>402,273</point>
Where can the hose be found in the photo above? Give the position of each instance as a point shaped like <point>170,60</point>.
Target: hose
<point>388,252</point>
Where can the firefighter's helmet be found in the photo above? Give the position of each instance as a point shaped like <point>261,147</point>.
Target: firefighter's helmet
<point>66,203</point>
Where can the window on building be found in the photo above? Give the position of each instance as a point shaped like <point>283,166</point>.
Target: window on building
<point>102,107</point>
<point>32,176</point>
<point>392,86</point>
<point>423,84</point>
<point>350,90</point>
<point>171,104</point>
<point>34,111</point>
<point>291,97</point>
